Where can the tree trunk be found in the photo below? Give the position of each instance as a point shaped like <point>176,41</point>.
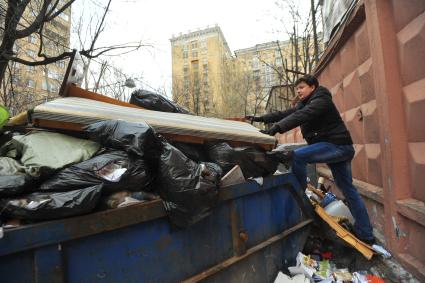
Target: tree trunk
<point>316,45</point>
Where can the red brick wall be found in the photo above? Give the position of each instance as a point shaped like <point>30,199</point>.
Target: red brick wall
<point>377,79</point>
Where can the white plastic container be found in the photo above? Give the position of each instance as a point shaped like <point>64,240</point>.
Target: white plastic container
<point>338,208</point>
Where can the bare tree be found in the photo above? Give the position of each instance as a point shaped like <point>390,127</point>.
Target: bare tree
<point>236,87</point>
<point>192,91</point>
<point>112,81</point>
<point>23,18</point>
<point>303,51</point>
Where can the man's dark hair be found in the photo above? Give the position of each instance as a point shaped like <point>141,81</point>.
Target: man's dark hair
<point>308,79</point>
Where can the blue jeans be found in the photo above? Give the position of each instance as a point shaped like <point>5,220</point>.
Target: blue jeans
<point>338,158</point>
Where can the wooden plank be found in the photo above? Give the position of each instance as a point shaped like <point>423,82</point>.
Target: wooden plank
<point>58,125</point>
<point>341,232</point>
<point>76,91</point>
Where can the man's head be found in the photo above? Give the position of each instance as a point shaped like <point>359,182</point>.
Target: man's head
<point>305,86</point>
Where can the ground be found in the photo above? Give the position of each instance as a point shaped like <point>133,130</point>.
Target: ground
<point>322,239</point>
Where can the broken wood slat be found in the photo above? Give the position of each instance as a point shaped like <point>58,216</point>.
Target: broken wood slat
<point>75,91</point>
<point>341,232</point>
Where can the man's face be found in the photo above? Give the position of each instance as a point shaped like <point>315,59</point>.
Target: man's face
<point>304,90</point>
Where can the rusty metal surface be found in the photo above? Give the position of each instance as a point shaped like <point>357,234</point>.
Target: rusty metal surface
<point>86,111</point>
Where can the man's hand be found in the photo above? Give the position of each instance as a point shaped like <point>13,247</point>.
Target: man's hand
<point>254,118</point>
<point>272,131</point>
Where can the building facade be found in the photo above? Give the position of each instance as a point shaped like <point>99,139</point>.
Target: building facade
<point>27,86</point>
<point>197,60</point>
<point>371,66</point>
<point>210,81</point>
<point>264,63</point>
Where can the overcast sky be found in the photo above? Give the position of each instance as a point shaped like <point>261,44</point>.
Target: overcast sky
<point>243,22</point>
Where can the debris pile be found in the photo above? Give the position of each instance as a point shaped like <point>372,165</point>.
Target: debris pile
<point>49,175</point>
<point>331,244</point>
<point>312,270</point>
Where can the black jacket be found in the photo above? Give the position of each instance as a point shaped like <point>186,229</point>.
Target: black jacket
<point>318,117</point>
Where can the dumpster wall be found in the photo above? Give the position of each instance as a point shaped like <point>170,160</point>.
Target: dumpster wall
<point>255,231</point>
<point>375,69</point>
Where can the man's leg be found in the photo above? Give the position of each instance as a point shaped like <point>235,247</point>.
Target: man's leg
<point>343,178</point>
<point>322,152</point>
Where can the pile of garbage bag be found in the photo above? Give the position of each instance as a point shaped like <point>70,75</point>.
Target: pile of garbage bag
<point>49,175</point>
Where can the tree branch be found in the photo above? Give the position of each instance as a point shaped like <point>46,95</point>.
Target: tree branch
<point>34,26</point>
<point>87,53</point>
<point>47,60</point>
<point>59,11</point>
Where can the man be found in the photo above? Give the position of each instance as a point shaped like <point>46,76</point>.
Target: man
<point>328,142</point>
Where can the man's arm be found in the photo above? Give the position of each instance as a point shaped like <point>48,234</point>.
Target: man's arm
<point>277,115</point>
<point>316,107</point>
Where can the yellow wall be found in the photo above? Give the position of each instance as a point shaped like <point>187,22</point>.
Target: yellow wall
<point>39,82</point>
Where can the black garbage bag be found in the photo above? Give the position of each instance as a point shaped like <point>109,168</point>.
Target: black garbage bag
<point>221,154</point>
<point>134,138</point>
<point>282,154</point>
<point>13,180</point>
<point>254,162</point>
<point>116,170</point>
<point>154,101</point>
<point>189,190</point>
<point>195,152</point>
<point>45,206</point>
<point>11,185</point>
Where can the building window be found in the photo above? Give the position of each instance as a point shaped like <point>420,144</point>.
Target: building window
<point>194,54</point>
<point>16,47</point>
<point>60,64</point>
<point>52,74</point>
<point>255,63</point>
<point>278,61</point>
<point>54,88</point>
<point>194,44</point>
<point>44,85</point>
<point>30,53</point>
<point>64,16</point>
<point>31,69</point>
<point>256,74</point>
<point>204,43</point>
<point>30,83</point>
<point>185,54</point>
<point>32,38</point>
<point>15,78</point>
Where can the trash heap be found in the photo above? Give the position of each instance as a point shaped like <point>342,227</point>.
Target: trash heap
<point>327,256</point>
<point>312,270</point>
<point>49,175</point>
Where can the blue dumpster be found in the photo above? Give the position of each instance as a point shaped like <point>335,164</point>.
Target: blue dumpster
<point>254,231</point>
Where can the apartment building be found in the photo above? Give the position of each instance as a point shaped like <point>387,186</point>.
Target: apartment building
<point>31,85</point>
<point>198,58</point>
<point>210,81</point>
<point>264,62</point>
